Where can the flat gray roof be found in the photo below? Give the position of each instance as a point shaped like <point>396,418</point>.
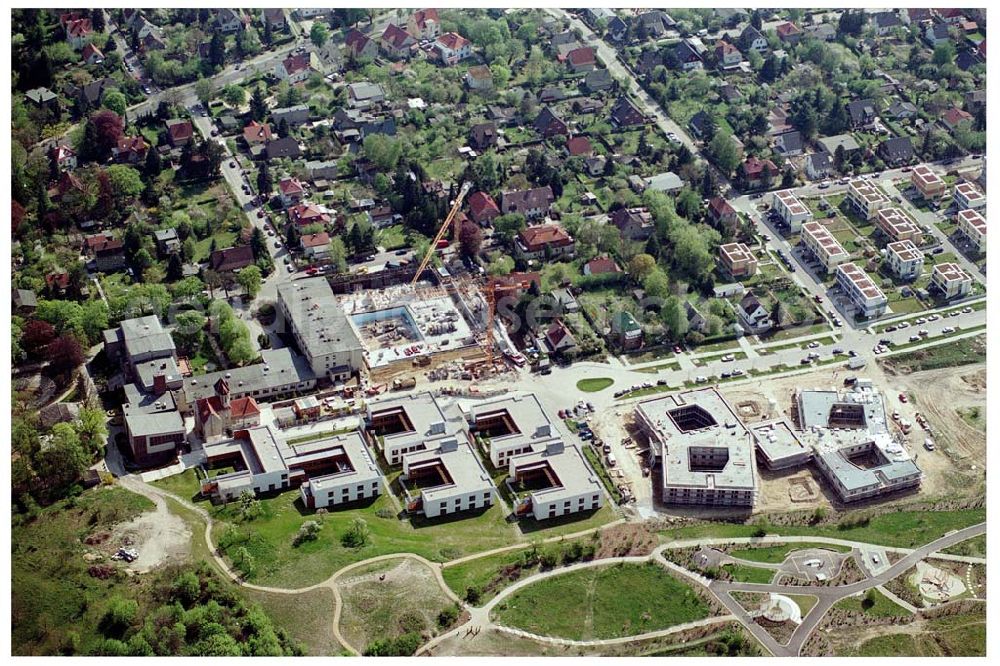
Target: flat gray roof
<point>570,468</point>
<point>322,325</point>
<point>778,442</point>
<point>462,464</point>
<point>430,422</point>
<point>145,335</point>
<point>530,419</point>
<point>278,367</point>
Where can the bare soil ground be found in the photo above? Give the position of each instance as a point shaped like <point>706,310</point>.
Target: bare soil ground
<point>493,643</point>
<point>389,599</point>
<point>161,537</point>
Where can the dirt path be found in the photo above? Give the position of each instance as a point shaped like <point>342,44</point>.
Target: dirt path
<point>161,537</point>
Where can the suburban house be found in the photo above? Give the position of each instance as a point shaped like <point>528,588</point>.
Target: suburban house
<point>316,246</point>
<point>598,80</point>
<point>896,151</point>
<point>581,59</point>
<point>955,117</point>
<point>905,260</point>
<point>130,150</point>
<point>291,191</point>
<point>321,169</point>
<point>533,203</point>
<point>950,281</point>
<point>973,225</point>
<point>683,56</point>
<point>78,31</point>
<point>482,208</point>
<point>548,124</point>
<point>479,77</point>
<point>274,18</point>
<point>722,214</point>
<point>788,32</point>
<point>63,157</point>
<point>579,146</point>
<point>167,241</point>
<point>396,43</point>
<point>727,55</point>
<point>626,114</point>
<point>668,182</point>
<point>256,133</point>
<point>936,33</point>
<point>864,294</point>
<point>92,55</point>
<point>424,23</point>
<point>601,266</point>
<point>305,213</point>
<point>296,68</point>
<point>626,331</point>
<point>483,136</point>
<point>866,199</point>
<point>179,132</point>
<point>819,165</point>
<point>558,339</point>
<point>896,225</point>
<point>753,315</point>
<point>228,20</point>
<point>358,46</point>
<point>788,144</point>
<point>452,48</point>
<point>635,224</point>
<point>293,115</point>
<point>546,241</point>
<point>862,113</point>
<point>758,173</point>
<point>231,259</point>
<point>286,147</point>
<point>751,40</point>
<point>364,94</point>
<point>736,261</point>
<point>42,98</point>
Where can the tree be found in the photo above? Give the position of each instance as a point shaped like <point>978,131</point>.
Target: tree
<point>241,352</point>
<point>101,133</point>
<point>357,535</point>
<point>64,353</point>
<point>656,284</point>
<point>92,428</point>
<point>36,336</point>
<point>154,164</point>
<point>234,95</point>
<point>470,239</point>
<point>640,266</point>
<point>944,54</point>
<point>384,151</point>
<point>204,90</point>
<point>318,34</point>
<point>249,506</point>
<point>126,184</point>
<point>338,255</point>
<point>244,561</point>
<point>188,329</point>
<point>265,183</point>
<point>250,279</point>
<point>64,459</point>
<point>217,50</point>
<point>724,151</point>
<point>115,101</point>
<point>258,107</point>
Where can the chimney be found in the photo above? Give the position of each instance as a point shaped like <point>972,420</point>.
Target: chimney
<point>160,384</point>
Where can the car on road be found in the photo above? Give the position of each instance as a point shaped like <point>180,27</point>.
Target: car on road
<point>291,269</point>
<point>933,317</point>
<point>937,250</point>
<point>920,321</point>
<point>400,253</point>
<point>288,259</point>
<point>147,90</point>
<point>813,345</point>
<point>914,338</point>
<point>923,332</point>
<point>817,298</point>
<point>823,186</point>
<point>270,232</point>
<point>678,350</point>
<point>837,350</point>
<point>875,559</point>
<point>700,379</point>
<point>277,245</point>
<point>725,375</point>
<point>890,329</point>
<point>904,324</point>
<point>727,358</point>
<point>806,361</point>
<point>906,169</point>
<point>737,373</point>
<point>947,329</point>
<point>966,310</point>
<point>954,314</point>
<point>260,214</point>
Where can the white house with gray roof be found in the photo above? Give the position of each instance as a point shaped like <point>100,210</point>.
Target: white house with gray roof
<point>512,426</point>
<point>554,480</point>
<point>446,478</point>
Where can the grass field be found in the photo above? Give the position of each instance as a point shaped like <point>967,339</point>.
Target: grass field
<point>873,604</point>
<point>186,484</point>
<point>805,602</point>
<point>974,547</point>
<point>55,603</point>
<point>961,635</point>
<point>903,529</point>
<point>603,602</point>
<point>777,554</point>
<point>314,630</point>
<point>746,574</point>
<point>952,354</point>
<point>594,384</point>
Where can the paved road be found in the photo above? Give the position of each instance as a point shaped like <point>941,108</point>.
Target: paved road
<point>828,596</point>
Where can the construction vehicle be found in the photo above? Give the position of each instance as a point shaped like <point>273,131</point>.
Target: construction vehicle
<point>403,383</point>
<point>435,244</point>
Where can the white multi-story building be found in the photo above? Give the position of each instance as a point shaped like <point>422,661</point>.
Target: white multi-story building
<point>706,454</point>
<point>866,199</point>
<point>512,426</point>
<point>973,225</point>
<point>407,424</point>
<point>951,281</point>
<point>790,209</point>
<point>821,243</point>
<point>904,259</point>
<point>322,330</point>
<point>927,183</point>
<point>555,480</point>
<point>862,290</point>
<point>968,195</point>
<point>897,226</point>
<point>445,479</point>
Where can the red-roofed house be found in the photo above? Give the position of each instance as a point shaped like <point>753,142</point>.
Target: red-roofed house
<point>452,48</point>
<point>92,55</point>
<point>78,31</point>
<point>581,60</point>
<point>256,133</point>
<point>214,415</point>
<point>954,117</point>
<point>600,266</point>
<point>130,149</point>
<point>316,246</point>
<point>788,33</point>
<point>544,240</point>
<point>359,46</point>
<point>559,339</point>
<point>727,54</point>
<point>579,145</point>
<point>179,132</point>
<point>722,213</point>
<point>291,191</point>
<point>231,258</point>
<point>482,208</point>
<point>294,68</point>
<point>396,42</point>
<point>306,213</point>
<point>57,283</point>
<point>424,23</point>
<point>63,156</point>
<point>757,172</point>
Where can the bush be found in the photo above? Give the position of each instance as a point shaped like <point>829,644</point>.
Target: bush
<point>447,617</point>
<point>404,646</point>
<point>357,535</point>
<point>548,560</point>
<point>308,532</point>
<point>472,595</point>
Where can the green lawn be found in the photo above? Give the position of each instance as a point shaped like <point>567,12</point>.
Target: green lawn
<point>203,248</point>
<point>873,604</point>
<point>805,602</point>
<point>962,635</point>
<point>952,354</point>
<point>185,485</point>
<point>745,574</point>
<point>594,384</point>
<point>269,537</point>
<point>974,547</point>
<point>603,602</point>
<point>391,238</point>
<point>777,554</point>
<point>902,529</point>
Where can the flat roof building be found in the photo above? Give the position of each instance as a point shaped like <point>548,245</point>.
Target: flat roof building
<point>866,199</point>
<point>446,478</point>
<point>950,281</point>
<point>862,290</point>
<point>973,225</point>
<point>968,195</point>
<point>736,261</point>
<point>927,182</point>
<point>406,424</point>
<point>705,452</point>
<point>322,330</point>
<point>897,226</point>
<point>778,447</point>
<point>512,426</point>
<point>791,210</point>
<point>905,260</point>
<point>821,243</point>
<point>555,480</point>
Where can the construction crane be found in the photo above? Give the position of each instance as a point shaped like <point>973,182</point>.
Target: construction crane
<point>492,287</point>
<point>455,206</point>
